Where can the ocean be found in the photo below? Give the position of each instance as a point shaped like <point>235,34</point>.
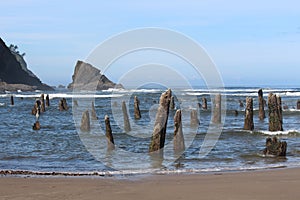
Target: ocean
<point>60,147</point>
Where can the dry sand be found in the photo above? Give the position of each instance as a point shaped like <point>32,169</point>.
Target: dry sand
<point>272,184</point>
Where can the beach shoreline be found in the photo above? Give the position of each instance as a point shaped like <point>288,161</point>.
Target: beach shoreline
<point>261,184</point>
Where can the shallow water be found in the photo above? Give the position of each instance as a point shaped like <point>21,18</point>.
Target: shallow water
<point>61,147</point>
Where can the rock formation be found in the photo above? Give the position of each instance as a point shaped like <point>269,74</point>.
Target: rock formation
<point>87,77</point>
<point>160,125</point>
<point>274,147</point>
<point>14,74</point>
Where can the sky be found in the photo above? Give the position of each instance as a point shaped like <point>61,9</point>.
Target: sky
<point>251,42</point>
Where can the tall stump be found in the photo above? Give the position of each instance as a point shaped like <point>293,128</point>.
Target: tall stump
<point>298,105</point>
<point>137,112</point>
<point>261,102</point>
<point>47,100</point>
<point>275,113</point>
<point>248,123</point>
<point>161,120</point>
<point>217,109</point>
<point>172,103</point>
<point>12,102</point>
<point>194,118</point>
<point>108,134</point>
<point>274,147</point>
<point>85,121</point>
<point>93,112</point>
<point>204,103</point>
<point>43,106</point>
<point>127,127</point>
<point>178,134</point>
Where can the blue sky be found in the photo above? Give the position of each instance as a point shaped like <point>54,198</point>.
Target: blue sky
<point>251,42</point>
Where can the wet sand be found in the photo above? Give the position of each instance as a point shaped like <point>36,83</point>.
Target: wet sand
<point>271,184</point>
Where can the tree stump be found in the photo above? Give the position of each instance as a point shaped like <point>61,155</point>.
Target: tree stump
<point>217,109</point>
<point>194,118</point>
<point>160,125</point>
<point>36,126</point>
<point>204,103</point>
<point>248,123</point>
<point>275,113</point>
<point>43,107</point>
<point>261,102</point>
<point>36,108</point>
<point>172,103</point>
<point>108,134</point>
<point>127,127</point>
<point>85,121</point>
<point>298,105</point>
<point>12,102</point>
<point>179,145</point>
<point>137,112</point>
<point>93,112</point>
<point>47,100</point>
<point>274,147</point>
<point>75,103</point>
<point>63,104</point>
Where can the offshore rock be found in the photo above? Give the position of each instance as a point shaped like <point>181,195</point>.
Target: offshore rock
<point>87,77</point>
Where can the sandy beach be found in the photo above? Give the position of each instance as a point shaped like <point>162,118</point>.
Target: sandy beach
<point>272,184</point>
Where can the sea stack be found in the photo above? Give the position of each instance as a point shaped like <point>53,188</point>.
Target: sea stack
<point>261,102</point>
<point>179,146</point>
<point>275,113</point>
<point>248,123</point>
<point>217,109</point>
<point>137,112</point>
<point>274,147</point>
<point>85,121</point>
<point>127,127</point>
<point>108,134</point>
<point>161,120</point>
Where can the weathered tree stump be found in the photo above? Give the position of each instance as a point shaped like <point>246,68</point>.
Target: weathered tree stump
<point>12,102</point>
<point>261,102</point>
<point>36,108</point>
<point>248,123</point>
<point>275,113</point>
<point>178,134</point>
<point>85,121</point>
<point>274,147</point>
<point>127,127</point>
<point>63,104</point>
<point>93,112</point>
<point>160,125</point>
<point>172,103</point>
<point>47,100</point>
<point>43,107</point>
<point>298,105</point>
<point>241,103</point>
<point>194,118</point>
<point>217,109</point>
<point>137,112</point>
<point>36,126</point>
<point>204,103</point>
<point>108,134</point>
<point>75,103</point>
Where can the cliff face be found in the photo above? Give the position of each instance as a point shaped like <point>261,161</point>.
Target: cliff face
<point>87,77</point>
<point>13,70</point>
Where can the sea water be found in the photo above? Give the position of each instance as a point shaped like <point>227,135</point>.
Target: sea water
<point>59,146</point>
